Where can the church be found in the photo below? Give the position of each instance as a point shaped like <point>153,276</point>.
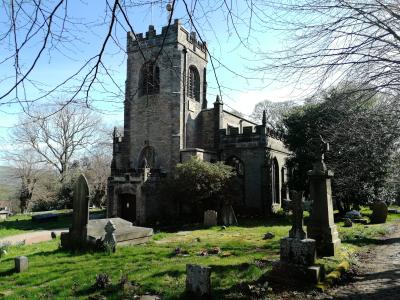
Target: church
<point>167,120</point>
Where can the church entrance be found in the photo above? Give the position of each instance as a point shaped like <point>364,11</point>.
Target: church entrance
<point>128,207</point>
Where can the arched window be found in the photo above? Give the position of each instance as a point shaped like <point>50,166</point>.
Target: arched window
<point>147,158</point>
<point>149,80</point>
<point>194,83</point>
<point>275,181</point>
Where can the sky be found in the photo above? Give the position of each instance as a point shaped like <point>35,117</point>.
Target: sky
<point>237,59</point>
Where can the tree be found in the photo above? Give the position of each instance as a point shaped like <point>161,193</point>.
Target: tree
<point>59,137</point>
<point>274,111</point>
<point>362,129</point>
<point>202,184</point>
<point>329,41</point>
<point>97,169</point>
<point>27,168</point>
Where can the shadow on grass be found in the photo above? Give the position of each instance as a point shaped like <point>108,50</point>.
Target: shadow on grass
<point>29,225</point>
<point>63,220</point>
<point>245,221</point>
<point>7,273</point>
<point>364,241</point>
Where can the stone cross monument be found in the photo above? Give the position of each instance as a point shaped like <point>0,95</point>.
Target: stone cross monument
<point>322,227</point>
<point>109,238</point>
<point>297,252</point>
<point>297,231</point>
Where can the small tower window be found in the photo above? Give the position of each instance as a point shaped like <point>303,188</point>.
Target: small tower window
<point>194,83</point>
<point>149,81</point>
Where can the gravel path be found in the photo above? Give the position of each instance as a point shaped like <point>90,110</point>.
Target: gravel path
<point>378,272</point>
<point>31,237</point>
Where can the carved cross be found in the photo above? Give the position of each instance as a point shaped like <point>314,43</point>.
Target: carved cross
<point>297,231</point>
<point>321,147</point>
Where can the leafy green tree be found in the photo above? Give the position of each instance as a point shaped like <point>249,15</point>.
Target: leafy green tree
<point>201,184</point>
<point>362,129</point>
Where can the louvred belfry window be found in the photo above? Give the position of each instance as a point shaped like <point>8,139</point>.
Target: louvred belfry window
<point>194,83</point>
<point>149,79</point>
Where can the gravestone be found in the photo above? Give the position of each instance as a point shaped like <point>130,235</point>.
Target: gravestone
<point>198,280</point>
<point>210,218</point>
<point>109,239</point>
<point>125,233</point>
<point>379,212</point>
<point>21,264</point>
<point>77,236</point>
<point>297,249</point>
<point>228,216</point>
<point>322,227</point>
<point>297,231</point>
<point>297,252</point>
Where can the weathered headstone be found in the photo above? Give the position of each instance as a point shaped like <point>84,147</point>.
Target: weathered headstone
<point>77,236</point>
<point>228,216</point>
<point>198,280</point>
<point>297,249</point>
<point>322,227</point>
<point>297,253</point>
<point>109,239</point>
<point>379,212</point>
<point>21,264</point>
<point>297,231</point>
<point>210,218</point>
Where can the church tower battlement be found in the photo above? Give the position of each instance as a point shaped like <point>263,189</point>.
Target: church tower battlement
<point>165,91</point>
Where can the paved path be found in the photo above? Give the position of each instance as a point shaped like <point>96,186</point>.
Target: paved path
<point>31,237</point>
<point>378,274</point>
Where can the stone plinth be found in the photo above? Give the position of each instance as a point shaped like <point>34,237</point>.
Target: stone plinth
<point>292,274</point>
<point>299,252</point>
<point>21,264</point>
<point>125,232</point>
<point>322,227</point>
<point>198,280</point>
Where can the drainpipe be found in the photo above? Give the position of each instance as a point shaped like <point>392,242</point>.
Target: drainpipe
<point>184,51</point>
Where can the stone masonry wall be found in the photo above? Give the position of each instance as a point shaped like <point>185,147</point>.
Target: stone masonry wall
<point>159,119</point>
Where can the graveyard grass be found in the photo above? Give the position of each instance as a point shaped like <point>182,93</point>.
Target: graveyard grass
<point>245,257</point>
<point>23,223</point>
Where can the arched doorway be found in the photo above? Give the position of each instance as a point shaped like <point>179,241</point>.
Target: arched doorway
<point>275,182</point>
<point>127,204</point>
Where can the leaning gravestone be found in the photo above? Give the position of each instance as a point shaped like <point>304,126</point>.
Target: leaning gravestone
<point>210,218</point>
<point>379,212</point>
<point>76,238</point>
<point>84,233</point>
<point>198,282</point>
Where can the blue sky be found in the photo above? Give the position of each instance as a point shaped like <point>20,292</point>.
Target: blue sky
<point>238,92</point>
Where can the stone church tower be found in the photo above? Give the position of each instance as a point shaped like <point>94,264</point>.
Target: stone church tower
<point>165,91</point>
<point>167,121</point>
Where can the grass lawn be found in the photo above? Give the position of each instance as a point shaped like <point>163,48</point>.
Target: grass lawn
<point>245,257</point>
<point>23,223</point>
